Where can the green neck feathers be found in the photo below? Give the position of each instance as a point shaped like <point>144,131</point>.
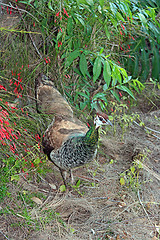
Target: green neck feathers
<point>91,137</point>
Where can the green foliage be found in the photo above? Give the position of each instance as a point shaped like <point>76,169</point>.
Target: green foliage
<point>130,177</point>
<point>82,39</point>
<point>93,42</point>
<point>22,210</point>
<point>121,117</point>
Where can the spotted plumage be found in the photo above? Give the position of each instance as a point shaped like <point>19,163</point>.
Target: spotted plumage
<point>67,142</point>
<point>76,151</point>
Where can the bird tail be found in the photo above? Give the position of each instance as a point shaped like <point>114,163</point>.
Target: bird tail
<point>48,98</point>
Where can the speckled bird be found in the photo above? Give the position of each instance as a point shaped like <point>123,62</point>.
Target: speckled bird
<point>67,142</point>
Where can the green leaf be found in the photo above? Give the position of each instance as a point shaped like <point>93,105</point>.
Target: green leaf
<point>94,105</point>
<point>90,2</point>
<point>70,26</point>
<point>37,160</point>
<point>50,6</point>
<point>136,67</point>
<point>72,56</point>
<point>83,94</point>
<point>143,19</point>
<point>82,105</point>
<point>101,2</point>
<point>107,73</point>
<point>114,76</point>
<point>83,65</point>
<point>106,31</point>
<point>97,68</point>
<point>155,63</point>
<point>59,35</point>
<point>78,183</point>
<point>113,8</point>
<point>81,1</point>
<point>15,177</point>
<point>132,169</point>
<point>124,73</point>
<point>122,181</point>
<point>80,19</point>
<point>117,73</point>
<point>100,96</point>
<point>62,188</point>
<point>105,87</point>
<point>101,51</point>
<point>115,95</point>
<point>134,87</point>
<point>126,89</point>
<point>119,17</point>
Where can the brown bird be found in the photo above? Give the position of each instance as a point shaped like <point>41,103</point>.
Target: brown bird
<point>67,142</point>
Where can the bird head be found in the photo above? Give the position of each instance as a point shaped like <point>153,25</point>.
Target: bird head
<point>101,119</point>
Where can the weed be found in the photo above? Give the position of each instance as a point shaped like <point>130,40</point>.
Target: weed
<point>121,117</point>
<point>130,177</point>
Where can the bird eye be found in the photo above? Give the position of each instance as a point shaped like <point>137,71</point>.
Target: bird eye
<point>100,118</point>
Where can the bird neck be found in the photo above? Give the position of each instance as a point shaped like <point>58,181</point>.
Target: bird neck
<point>91,137</point>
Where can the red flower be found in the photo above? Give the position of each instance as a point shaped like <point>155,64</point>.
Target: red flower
<point>1,87</point>
<point>32,165</point>
<point>122,26</point>
<point>88,125</point>
<point>59,43</point>
<point>65,12</point>
<point>46,60</point>
<point>120,94</point>
<point>57,14</point>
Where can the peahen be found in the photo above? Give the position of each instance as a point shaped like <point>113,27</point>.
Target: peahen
<point>67,142</point>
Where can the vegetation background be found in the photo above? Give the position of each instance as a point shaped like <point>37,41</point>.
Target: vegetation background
<point>101,55</point>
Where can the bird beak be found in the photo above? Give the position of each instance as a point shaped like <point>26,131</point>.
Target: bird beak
<point>108,122</point>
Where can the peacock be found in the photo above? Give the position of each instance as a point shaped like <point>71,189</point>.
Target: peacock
<point>67,142</point>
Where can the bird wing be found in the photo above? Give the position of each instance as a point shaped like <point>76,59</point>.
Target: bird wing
<point>60,130</point>
<point>64,125</point>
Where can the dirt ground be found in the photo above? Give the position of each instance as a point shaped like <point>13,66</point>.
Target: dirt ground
<point>105,209</point>
<point>108,210</point>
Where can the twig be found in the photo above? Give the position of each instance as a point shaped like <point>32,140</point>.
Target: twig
<point>4,235</point>
<point>30,35</point>
<point>126,209</point>
<point>149,170</point>
<point>145,210</point>
<point>152,130</point>
<point>16,8</point>
<point>22,10</point>
<point>147,128</point>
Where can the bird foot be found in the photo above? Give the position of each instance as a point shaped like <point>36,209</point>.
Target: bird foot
<point>64,177</point>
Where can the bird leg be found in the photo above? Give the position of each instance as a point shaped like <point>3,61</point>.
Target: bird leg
<point>63,176</point>
<point>71,176</point>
